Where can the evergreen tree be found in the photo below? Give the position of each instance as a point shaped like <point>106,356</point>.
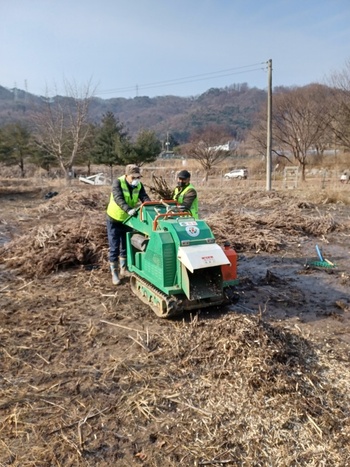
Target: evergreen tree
<point>108,147</point>
<point>86,155</point>
<point>146,148</point>
<point>15,145</point>
<point>43,159</point>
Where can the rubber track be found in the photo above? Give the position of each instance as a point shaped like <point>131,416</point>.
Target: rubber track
<point>161,295</point>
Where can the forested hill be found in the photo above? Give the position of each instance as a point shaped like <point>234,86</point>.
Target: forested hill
<point>232,108</point>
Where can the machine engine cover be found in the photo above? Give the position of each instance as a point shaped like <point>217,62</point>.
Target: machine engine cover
<point>202,256</point>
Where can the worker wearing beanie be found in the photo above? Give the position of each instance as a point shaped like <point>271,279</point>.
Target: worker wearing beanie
<point>127,191</point>
<point>185,193</point>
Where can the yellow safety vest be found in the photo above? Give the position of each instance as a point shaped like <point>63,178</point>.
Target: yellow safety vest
<point>116,212</point>
<point>180,197</point>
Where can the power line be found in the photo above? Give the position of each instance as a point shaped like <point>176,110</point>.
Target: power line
<point>191,79</point>
<point>188,79</point>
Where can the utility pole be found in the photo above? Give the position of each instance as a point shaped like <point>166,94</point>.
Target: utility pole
<point>167,144</point>
<point>269,126</point>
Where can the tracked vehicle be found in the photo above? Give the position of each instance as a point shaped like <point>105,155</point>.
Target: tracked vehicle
<point>174,261</point>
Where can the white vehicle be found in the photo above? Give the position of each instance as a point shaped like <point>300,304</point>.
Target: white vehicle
<point>345,177</point>
<point>98,179</point>
<point>237,173</point>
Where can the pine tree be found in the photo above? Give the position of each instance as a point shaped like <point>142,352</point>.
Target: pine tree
<point>109,142</point>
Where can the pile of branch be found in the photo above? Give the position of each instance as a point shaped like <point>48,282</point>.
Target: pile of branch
<point>51,248</point>
<point>78,236</point>
<point>160,188</point>
<point>75,201</point>
<point>269,230</point>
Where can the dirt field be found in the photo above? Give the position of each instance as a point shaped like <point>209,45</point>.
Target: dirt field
<point>91,377</point>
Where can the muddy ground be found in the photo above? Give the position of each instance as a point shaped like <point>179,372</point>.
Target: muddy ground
<point>91,377</point>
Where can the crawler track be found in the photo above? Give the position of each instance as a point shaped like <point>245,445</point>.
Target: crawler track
<point>167,306</point>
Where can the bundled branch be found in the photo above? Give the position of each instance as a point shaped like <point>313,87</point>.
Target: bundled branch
<point>161,188</point>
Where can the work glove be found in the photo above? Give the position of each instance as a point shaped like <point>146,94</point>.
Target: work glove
<point>132,212</point>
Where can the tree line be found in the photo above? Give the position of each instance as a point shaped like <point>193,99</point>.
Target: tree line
<point>304,119</point>
<point>60,135</point>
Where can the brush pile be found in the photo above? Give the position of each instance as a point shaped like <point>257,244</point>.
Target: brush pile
<point>89,377</point>
<point>71,232</point>
<point>74,232</point>
<point>268,221</point>
<point>160,188</point>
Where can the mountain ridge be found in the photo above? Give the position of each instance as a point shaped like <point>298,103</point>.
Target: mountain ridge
<point>232,108</point>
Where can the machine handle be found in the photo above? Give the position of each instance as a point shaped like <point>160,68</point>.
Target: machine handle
<point>169,214</point>
<point>155,203</point>
<point>129,217</point>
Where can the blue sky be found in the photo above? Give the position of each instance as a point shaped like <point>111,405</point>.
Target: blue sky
<point>152,48</point>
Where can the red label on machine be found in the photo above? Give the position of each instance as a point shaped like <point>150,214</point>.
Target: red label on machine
<point>208,259</point>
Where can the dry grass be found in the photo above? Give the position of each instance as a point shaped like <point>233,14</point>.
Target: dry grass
<point>72,229</point>
<point>241,392</point>
<point>260,226</point>
<point>80,387</point>
<point>72,232</point>
<point>332,196</point>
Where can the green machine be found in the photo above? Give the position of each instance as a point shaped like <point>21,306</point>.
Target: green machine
<point>174,260</point>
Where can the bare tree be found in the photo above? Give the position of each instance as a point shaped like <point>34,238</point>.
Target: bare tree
<point>341,109</point>
<point>61,126</point>
<point>256,137</point>
<point>209,147</point>
<point>300,119</point>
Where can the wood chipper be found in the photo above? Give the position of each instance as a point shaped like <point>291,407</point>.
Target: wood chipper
<point>174,260</point>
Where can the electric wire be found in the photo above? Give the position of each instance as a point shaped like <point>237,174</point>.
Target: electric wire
<point>189,79</point>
